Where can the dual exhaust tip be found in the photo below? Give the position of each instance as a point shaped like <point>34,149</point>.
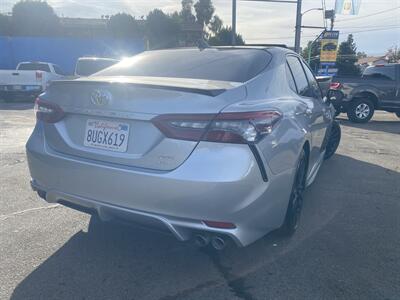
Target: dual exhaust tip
<point>218,242</point>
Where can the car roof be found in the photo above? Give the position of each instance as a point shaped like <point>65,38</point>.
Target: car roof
<point>273,49</point>
<point>35,62</point>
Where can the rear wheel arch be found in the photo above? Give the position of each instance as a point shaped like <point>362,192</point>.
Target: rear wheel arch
<point>367,95</point>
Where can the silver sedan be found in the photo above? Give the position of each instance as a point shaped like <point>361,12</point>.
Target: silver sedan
<point>210,144</point>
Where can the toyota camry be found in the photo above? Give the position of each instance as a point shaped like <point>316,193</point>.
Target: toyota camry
<point>210,144</point>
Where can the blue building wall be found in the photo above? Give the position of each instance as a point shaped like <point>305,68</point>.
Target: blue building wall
<point>63,51</point>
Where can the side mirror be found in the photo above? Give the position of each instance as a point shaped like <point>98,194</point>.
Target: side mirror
<point>324,83</point>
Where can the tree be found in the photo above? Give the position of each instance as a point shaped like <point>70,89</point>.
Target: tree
<point>215,25</point>
<point>187,11</point>
<point>393,54</point>
<point>204,11</point>
<point>31,17</point>
<point>224,38</point>
<point>347,57</point>
<point>361,55</point>
<point>123,25</point>
<point>315,48</point>
<point>162,30</point>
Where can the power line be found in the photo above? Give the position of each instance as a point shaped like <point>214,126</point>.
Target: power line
<point>370,15</point>
<point>369,27</point>
<point>311,36</point>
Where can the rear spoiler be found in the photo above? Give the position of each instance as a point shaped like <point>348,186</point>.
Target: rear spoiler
<point>203,87</point>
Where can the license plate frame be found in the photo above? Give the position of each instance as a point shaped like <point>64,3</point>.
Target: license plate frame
<point>106,135</point>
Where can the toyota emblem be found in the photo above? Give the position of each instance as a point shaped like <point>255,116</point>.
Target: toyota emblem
<point>100,97</point>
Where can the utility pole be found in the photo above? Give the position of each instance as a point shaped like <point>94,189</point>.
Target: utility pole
<point>298,27</point>
<point>233,22</point>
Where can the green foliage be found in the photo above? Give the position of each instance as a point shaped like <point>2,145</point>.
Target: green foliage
<point>37,18</point>
<point>204,11</point>
<point>123,25</point>
<point>361,55</point>
<point>313,55</point>
<point>215,25</point>
<point>347,58</point>
<point>186,14</point>
<point>393,54</point>
<point>162,30</point>
<point>224,38</point>
<point>30,17</point>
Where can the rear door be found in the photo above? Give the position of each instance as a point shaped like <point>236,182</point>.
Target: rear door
<point>315,111</point>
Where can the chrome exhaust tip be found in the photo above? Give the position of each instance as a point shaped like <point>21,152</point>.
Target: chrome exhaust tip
<point>218,243</point>
<point>201,240</point>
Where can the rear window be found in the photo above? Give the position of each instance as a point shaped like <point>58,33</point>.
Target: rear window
<point>387,73</point>
<point>86,67</point>
<point>238,65</point>
<point>34,67</point>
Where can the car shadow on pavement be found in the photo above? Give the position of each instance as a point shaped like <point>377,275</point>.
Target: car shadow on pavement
<point>375,125</point>
<point>341,219</point>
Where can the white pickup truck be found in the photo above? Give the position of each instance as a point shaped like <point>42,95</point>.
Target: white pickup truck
<point>28,81</point>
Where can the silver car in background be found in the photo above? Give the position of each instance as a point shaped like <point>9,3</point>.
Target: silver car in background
<point>210,144</point>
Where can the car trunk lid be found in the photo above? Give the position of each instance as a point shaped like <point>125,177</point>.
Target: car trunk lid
<point>129,104</point>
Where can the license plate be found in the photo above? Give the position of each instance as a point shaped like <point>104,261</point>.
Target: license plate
<point>112,136</point>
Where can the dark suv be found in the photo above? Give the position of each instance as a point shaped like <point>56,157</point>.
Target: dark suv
<point>377,89</point>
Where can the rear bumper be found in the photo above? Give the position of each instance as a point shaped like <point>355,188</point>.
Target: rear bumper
<point>218,182</point>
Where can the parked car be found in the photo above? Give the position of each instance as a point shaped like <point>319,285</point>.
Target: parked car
<point>86,66</point>
<point>210,144</point>
<point>29,79</point>
<point>377,89</point>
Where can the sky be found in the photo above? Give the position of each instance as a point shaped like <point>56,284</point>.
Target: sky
<point>262,22</point>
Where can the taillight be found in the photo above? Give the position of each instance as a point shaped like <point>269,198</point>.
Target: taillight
<point>47,111</point>
<point>237,127</point>
<point>335,85</point>
<point>217,224</point>
<point>39,75</point>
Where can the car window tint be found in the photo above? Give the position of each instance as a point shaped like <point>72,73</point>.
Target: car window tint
<point>34,67</point>
<point>386,73</point>
<point>86,67</point>
<point>290,79</point>
<point>299,75</point>
<point>238,65</point>
<point>316,91</point>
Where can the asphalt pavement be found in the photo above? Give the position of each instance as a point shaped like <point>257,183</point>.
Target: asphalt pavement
<point>347,247</point>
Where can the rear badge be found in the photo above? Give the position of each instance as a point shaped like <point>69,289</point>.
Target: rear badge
<point>100,97</point>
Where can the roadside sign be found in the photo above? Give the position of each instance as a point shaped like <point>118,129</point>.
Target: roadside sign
<point>329,46</point>
<point>327,69</point>
<point>347,7</point>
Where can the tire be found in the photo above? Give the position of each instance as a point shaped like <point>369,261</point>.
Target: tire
<point>295,206</point>
<point>335,136</point>
<point>360,110</point>
<point>398,114</point>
